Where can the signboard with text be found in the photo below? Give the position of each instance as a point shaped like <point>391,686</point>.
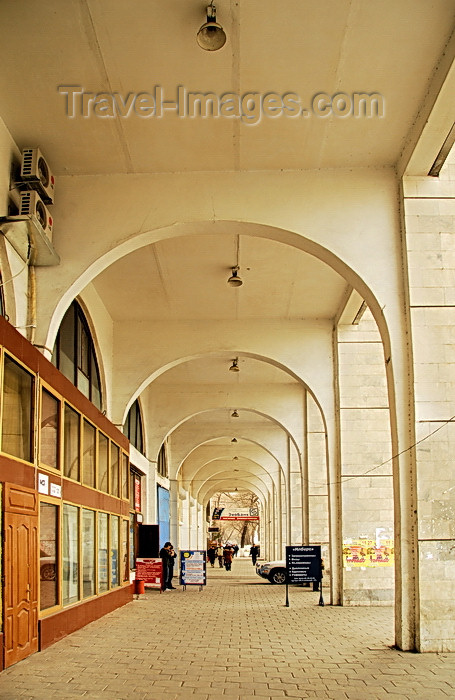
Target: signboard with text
<point>240,514</point>
<point>303,563</point>
<point>150,570</point>
<point>193,567</point>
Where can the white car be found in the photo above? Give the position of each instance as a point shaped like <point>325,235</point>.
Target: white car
<point>274,571</point>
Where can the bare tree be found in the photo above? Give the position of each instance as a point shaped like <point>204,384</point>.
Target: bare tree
<point>241,531</point>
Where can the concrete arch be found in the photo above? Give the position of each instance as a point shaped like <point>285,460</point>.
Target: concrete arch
<point>140,239</point>
<point>206,355</point>
<point>246,409</point>
<point>209,440</point>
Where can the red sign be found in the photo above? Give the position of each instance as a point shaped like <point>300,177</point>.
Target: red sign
<point>137,493</point>
<point>150,571</point>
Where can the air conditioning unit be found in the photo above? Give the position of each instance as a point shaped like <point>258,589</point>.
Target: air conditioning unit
<point>31,204</point>
<point>36,173</point>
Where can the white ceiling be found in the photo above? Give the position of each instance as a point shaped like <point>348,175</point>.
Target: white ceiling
<point>186,279</point>
<point>391,47</point>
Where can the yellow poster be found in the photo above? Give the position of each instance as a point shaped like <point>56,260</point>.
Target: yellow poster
<point>366,553</point>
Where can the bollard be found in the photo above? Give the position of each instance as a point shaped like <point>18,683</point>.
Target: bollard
<point>139,586</point>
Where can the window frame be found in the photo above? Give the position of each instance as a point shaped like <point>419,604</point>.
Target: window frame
<point>34,398</point>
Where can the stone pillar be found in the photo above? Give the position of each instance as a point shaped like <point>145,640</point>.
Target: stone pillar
<point>429,208</point>
<point>295,488</point>
<point>318,493</point>
<point>366,466</point>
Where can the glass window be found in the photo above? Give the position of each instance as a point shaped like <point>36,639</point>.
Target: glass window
<point>70,535</point>
<point>88,553</point>
<point>103,463</point>
<point>162,461</point>
<point>71,444</point>
<point>64,354</point>
<point>125,476</point>
<point>132,550</point>
<point>88,454</point>
<point>17,411</point>
<point>115,579</point>
<point>95,383</point>
<point>115,464</point>
<point>49,435</point>
<point>74,354</point>
<point>133,427</point>
<point>125,554</point>
<point>103,572</point>
<point>48,555</point>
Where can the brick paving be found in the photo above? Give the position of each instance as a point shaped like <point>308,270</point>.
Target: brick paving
<point>235,640</point>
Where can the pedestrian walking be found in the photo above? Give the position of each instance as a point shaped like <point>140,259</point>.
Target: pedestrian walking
<point>211,555</point>
<point>254,553</point>
<point>227,556</point>
<point>219,554</point>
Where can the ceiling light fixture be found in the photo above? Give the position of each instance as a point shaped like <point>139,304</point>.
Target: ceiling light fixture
<point>234,414</point>
<point>211,35</point>
<point>235,458</point>
<point>234,280</point>
<point>235,366</point>
<point>234,440</point>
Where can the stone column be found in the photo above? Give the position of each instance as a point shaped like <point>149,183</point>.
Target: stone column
<point>366,466</point>
<point>429,207</point>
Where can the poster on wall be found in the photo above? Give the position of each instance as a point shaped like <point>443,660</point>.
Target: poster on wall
<point>368,553</point>
<point>193,567</point>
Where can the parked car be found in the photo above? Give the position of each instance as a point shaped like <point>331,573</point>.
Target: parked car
<point>274,571</point>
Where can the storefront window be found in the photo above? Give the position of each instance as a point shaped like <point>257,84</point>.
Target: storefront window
<point>125,567</point>
<point>115,464</point>
<point>48,555</point>
<point>115,579</point>
<point>49,435</point>
<point>103,571</point>
<point>88,553</point>
<point>88,454</point>
<point>103,463</point>
<point>125,476</point>
<point>70,534</point>
<point>71,444</point>
<point>17,411</point>
<point>132,552</point>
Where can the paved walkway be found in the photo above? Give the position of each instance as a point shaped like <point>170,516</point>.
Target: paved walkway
<point>235,640</point>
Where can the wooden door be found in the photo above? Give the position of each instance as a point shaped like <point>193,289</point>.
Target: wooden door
<point>21,573</point>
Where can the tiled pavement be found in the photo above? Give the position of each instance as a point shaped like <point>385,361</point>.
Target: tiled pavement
<point>235,640</point>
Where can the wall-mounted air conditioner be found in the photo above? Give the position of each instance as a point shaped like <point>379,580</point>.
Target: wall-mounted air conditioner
<point>37,175</point>
<point>31,204</point>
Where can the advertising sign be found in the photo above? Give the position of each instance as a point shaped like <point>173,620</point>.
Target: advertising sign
<point>217,513</point>
<point>363,552</point>
<point>241,514</point>
<point>150,571</point>
<point>304,563</point>
<point>193,563</point>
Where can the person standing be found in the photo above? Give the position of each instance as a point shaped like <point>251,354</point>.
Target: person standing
<point>168,556</point>
<point>254,553</point>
